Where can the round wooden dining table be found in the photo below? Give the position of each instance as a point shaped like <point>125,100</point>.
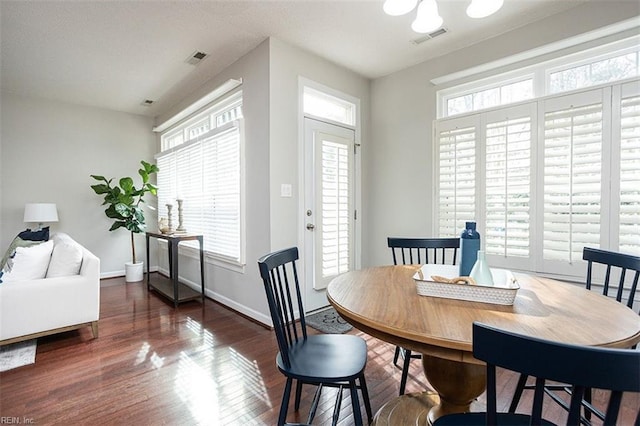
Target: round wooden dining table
<point>383,302</point>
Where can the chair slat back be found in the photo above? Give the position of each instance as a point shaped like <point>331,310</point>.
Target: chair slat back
<point>280,278</point>
<point>582,367</point>
<point>629,270</point>
<point>418,251</point>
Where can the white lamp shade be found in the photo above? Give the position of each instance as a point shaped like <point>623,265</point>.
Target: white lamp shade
<point>427,19</point>
<point>398,7</point>
<point>483,8</point>
<point>40,212</point>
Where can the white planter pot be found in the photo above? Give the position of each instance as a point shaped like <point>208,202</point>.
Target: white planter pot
<point>133,271</point>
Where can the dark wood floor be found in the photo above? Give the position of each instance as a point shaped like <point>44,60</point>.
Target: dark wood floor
<point>154,365</point>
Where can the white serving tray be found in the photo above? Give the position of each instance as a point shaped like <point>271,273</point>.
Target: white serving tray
<point>503,292</point>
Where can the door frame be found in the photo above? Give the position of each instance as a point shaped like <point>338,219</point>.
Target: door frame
<point>357,186</point>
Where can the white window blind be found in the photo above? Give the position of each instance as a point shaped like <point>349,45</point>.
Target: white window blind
<point>188,184</point>
<point>456,176</point>
<point>206,174</point>
<point>629,226</point>
<point>508,187</point>
<point>572,180</point>
<point>221,212</point>
<point>335,208</point>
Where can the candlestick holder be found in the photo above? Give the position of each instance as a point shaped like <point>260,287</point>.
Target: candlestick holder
<point>180,227</point>
<point>169,221</point>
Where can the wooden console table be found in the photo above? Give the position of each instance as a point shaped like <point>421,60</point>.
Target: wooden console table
<point>172,288</point>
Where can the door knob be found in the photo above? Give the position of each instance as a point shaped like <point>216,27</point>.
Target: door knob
<point>310,226</point>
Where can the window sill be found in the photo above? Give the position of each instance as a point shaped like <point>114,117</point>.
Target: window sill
<point>209,258</point>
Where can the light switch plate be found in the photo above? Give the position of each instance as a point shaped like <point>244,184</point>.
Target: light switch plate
<point>285,190</point>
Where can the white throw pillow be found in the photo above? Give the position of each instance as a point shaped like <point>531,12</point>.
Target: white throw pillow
<point>29,263</point>
<point>66,258</point>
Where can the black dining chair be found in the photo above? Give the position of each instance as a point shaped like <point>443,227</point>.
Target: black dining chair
<point>626,268</point>
<point>418,251</point>
<point>332,360</point>
<point>618,372</point>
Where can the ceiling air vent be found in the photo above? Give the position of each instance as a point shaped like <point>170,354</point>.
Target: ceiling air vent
<point>429,36</point>
<point>196,58</point>
<point>146,102</point>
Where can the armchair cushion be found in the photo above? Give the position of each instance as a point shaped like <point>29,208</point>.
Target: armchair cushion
<point>28,263</point>
<point>11,251</point>
<point>66,257</point>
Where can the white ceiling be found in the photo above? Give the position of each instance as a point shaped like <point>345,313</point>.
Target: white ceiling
<point>116,54</point>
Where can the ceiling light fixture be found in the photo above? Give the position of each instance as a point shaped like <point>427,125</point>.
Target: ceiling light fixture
<point>399,7</point>
<point>428,18</point>
<point>483,8</point>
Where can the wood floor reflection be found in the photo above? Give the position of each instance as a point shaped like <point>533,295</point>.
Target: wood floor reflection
<point>207,365</point>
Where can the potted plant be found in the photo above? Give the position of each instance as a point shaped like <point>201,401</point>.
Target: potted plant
<point>123,206</point>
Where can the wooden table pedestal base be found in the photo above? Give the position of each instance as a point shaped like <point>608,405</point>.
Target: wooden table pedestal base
<point>458,384</point>
<point>409,409</point>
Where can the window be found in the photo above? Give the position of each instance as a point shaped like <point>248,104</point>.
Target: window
<point>508,186</point>
<point>336,208</point>
<point>500,94</point>
<point>602,65</point>
<point>572,157</point>
<point>201,164</point>
<point>592,73</point>
<point>556,172</point>
<point>323,105</point>
<point>457,174</point>
<point>629,168</point>
<point>541,196</point>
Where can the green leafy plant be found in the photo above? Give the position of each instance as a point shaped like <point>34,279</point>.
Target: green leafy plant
<point>123,201</point>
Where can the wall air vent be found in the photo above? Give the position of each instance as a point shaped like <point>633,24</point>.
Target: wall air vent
<point>146,102</point>
<point>429,36</point>
<point>196,58</point>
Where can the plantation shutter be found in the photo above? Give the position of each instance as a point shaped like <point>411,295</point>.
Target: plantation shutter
<point>456,174</point>
<point>572,156</point>
<point>336,210</point>
<point>629,226</point>
<point>508,176</point>
<point>554,176</point>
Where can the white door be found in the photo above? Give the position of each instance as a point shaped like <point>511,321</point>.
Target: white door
<point>329,210</point>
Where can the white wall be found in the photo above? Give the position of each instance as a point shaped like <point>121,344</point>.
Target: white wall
<point>243,291</point>
<point>403,107</point>
<point>270,107</point>
<point>287,64</point>
<point>49,149</point>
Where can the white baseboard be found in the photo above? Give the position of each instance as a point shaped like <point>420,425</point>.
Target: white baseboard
<point>120,273</point>
<point>251,313</point>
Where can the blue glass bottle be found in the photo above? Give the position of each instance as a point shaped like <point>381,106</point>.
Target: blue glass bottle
<point>469,246</point>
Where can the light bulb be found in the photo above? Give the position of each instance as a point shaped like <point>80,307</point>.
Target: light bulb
<point>427,19</point>
<point>398,7</point>
<point>483,8</point>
